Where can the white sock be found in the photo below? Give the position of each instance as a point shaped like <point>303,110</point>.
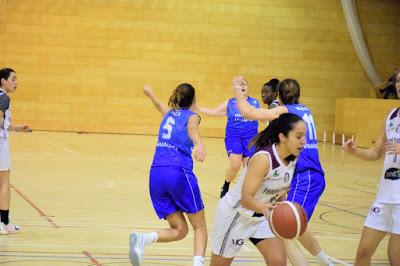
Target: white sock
<point>198,261</point>
<point>150,237</point>
<point>323,259</point>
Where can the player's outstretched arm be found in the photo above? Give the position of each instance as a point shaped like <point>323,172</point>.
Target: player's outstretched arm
<point>199,151</point>
<point>220,110</point>
<point>19,128</point>
<point>249,111</point>
<point>162,108</point>
<point>370,154</point>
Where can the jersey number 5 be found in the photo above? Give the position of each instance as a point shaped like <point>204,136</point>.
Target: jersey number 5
<point>168,127</point>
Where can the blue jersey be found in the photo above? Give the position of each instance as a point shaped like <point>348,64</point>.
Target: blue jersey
<point>308,158</point>
<point>237,125</point>
<point>174,147</point>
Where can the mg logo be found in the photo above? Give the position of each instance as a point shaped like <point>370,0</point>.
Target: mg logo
<point>375,209</point>
<point>237,242</point>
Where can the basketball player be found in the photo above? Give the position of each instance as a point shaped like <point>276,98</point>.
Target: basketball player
<point>269,93</point>
<point>8,84</point>
<point>308,181</point>
<point>241,214</point>
<point>174,189</point>
<point>384,215</point>
<point>239,131</point>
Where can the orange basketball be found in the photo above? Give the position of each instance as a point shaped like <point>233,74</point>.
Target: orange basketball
<point>288,220</point>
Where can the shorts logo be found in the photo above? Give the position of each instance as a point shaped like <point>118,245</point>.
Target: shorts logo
<point>237,242</point>
<point>375,209</point>
<point>392,173</point>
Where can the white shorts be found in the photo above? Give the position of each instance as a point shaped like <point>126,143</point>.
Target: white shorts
<point>231,230</point>
<point>384,217</point>
<point>5,159</point>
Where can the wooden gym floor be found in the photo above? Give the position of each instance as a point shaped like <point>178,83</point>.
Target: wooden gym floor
<point>77,197</point>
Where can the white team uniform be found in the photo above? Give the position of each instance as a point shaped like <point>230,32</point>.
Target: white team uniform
<point>5,159</point>
<point>384,214</point>
<point>233,224</point>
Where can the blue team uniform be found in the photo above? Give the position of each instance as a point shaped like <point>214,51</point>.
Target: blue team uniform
<point>173,185</point>
<point>309,179</point>
<point>239,130</point>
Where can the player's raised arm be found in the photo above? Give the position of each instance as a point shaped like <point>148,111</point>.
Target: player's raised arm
<point>162,108</point>
<point>250,112</point>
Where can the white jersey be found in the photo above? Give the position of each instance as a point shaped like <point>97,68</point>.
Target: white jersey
<point>5,108</point>
<point>276,181</point>
<point>389,187</point>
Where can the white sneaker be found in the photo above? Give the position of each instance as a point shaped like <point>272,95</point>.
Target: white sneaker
<point>136,246</point>
<point>3,229</point>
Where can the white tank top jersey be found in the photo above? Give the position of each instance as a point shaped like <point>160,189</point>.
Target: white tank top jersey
<point>276,181</point>
<point>389,187</point>
<point>5,100</point>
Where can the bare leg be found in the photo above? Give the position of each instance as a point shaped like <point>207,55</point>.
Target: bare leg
<point>5,190</point>
<point>177,231</point>
<point>198,222</point>
<point>370,239</point>
<point>310,243</point>
<point>393,250</point>
<point>235,161</point>
<point>217,260</point>
<point>273,251</point>
<point>295,254</point>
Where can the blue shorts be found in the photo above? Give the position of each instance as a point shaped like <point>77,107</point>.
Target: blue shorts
<point>239,145</point>
<point>306,188</point>
<point>174,189</point>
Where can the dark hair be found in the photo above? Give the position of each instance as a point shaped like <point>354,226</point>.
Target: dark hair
<point>5,73</point>
<point>273,84</point>
<point>389,91</point>
<point>182,97</point>
<point>270,135</point>
<point>289,91</point>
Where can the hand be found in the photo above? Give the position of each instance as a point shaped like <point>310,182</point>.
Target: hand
<point>267,208</point>
<point>199,152</point>
<point>148,91</point>
<point>24,128</point>
<point>392,148</point>
<point>349,146</point>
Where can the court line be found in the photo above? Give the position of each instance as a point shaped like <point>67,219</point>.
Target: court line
<point>62,147</point>
<point>351,175</point>
<point>45,216</point>
<point>91,258</point>
<point>154,257</point>
<point>339,261</point>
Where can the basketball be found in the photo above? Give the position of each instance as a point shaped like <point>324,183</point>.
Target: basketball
<point>288,220</point>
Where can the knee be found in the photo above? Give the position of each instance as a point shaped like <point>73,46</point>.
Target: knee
<point>364,253</point>
<point>235,165</point>
<point>181,232</point>
<point>278,261</point>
